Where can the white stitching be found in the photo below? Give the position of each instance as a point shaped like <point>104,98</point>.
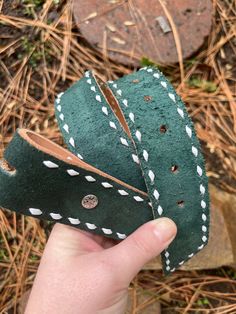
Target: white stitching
<point>199,171</point>
<point>76,221</point>
<point>72,173</point>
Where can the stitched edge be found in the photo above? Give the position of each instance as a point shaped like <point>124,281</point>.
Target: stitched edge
<point>71,172</point>
<point>198,170</point>
<point>76,221</point>
<point>138,135</point>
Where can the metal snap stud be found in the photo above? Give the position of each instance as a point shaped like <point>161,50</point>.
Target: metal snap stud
<point>89,201</point>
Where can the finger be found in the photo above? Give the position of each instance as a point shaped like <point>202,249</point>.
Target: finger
<point>145,243</point>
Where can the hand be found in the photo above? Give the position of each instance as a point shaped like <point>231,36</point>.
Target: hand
<point>88,274</point>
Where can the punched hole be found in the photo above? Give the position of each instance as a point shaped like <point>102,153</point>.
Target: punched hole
<point>7,167</point>
<point>180,203</point>
<point>174,169</point>
<point>147,98</point>
<point>163,128</point>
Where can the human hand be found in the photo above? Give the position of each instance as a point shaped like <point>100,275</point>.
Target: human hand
<point>85,273</point>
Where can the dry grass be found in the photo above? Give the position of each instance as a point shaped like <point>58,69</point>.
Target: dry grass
<point>41,54</point>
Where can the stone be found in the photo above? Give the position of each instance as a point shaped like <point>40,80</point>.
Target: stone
<point>221,249</point>
<point>129,31</point>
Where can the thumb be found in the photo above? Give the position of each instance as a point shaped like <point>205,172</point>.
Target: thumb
<point>148,241</point>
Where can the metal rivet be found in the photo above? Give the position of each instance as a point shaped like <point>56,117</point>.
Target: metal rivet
<point>135,81</point>
<point>89,201</point>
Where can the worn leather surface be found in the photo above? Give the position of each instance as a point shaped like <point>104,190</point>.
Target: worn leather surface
<point>150,145</point>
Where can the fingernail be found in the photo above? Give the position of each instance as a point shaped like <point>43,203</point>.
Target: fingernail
<point>165,230</point>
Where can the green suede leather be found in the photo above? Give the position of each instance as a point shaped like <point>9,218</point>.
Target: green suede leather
<point>53,190</point>
<point>163,136</point>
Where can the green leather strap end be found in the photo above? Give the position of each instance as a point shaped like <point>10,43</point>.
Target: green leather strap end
<point>44,185</point>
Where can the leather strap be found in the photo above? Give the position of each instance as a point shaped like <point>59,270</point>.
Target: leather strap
<point>137,152</point>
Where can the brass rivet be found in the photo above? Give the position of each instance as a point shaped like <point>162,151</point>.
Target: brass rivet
<point>147,98</point>
<point>89,201</point>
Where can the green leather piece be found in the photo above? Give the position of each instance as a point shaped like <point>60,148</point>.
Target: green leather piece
<point>165,141</point>
<point>82,121</point>
<point>54,191</point>
<point>178,146</point>
<point>162,136</point>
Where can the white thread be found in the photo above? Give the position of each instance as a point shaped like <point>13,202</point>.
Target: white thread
<point>149,70</point>
<point>35,211</point>
<point>59,108</point>
<point>98,98</point>
<point>114,85</point>
<point>156,194</point>
<point>204,238</point>
<point>121,235</point>
<point>181,263</point>
<point>119,92</point>
<point>194,151</point>
<point>203,204</point>
<point>167,268</point>
<point>74,221</point>
<point>135,158</point>
<point>123,141</point>
<point>80,157</point>
<point>156,75</point>
<point>180,112</point>
<point>167,254</point>
<point>107,185</point>
<point>199,170</point>
<point>138,135</point>
<point>159,210</point>
<point>138,198</point>
<point>131,116</point>
<point>60,94</point>
<point>55,216</point>
<point>112,125</point>
<point>200,247</point>
<point>145,155</point>
<point>172,96</point>
<point>66,128</point>
<point>72,172</point>
<point>202,189</point>
<point>90,178</point>
<point>89,81</point>
<point>190,255</point>
<point>204,217</point>
<point>86,74</point>
<point>189,131</point>
<point>50,164</point>
<point>123,192</point>
<point>151,175</point>
<point>72,142</point>
<point>93,89</point>
<point>90,226</point>
<point>204,228</point>
<point>125,102</point>
<point>61,116</point>
<point>107,231</point>
<point>104,110</point>
<point>167,262</point>
<point>164,84</point>
<point>58,100</point>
